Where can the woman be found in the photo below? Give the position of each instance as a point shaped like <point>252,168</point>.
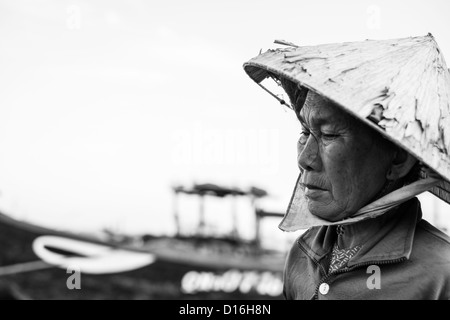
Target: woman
<point>365,150</point>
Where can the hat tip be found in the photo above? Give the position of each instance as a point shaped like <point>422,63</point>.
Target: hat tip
<point>285,43</point>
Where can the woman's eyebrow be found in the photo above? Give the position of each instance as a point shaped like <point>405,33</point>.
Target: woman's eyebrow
<point>318,121</point>
<point>300,118</point>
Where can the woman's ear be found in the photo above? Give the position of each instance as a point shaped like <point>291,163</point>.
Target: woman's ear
<point>401,165</point>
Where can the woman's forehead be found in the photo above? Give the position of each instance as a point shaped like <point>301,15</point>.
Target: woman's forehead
<point>318,110</point>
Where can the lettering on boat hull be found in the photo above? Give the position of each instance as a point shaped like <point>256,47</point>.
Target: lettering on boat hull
<point>264,283</point>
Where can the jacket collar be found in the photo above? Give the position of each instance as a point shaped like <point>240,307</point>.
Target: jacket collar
<point>385,238</point>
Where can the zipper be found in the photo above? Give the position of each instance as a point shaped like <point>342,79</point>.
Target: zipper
<point>322,269</point>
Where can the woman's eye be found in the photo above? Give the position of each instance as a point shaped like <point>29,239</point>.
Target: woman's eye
<point>304,133</point>
<point>329,136</point>
<point>303,137</point>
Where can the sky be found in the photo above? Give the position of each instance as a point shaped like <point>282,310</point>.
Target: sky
<point>105,105</point>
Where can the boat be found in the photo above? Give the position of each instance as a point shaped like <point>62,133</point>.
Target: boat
<point>39,263</point>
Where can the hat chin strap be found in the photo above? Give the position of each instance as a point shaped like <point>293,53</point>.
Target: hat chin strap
<point>299,217</point>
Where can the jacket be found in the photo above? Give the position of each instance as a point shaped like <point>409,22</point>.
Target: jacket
<point>402,257</point>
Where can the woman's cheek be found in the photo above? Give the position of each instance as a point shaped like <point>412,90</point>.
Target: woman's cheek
<point>300,148</point>
<point>336,153</point>
<point>337,162</point>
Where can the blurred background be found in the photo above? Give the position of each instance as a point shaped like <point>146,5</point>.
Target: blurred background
<point>133,120</point>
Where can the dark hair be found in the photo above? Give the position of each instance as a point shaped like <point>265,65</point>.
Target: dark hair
<point>296,93</point>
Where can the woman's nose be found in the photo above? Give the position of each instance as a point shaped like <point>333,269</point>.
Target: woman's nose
<point>308,154</point>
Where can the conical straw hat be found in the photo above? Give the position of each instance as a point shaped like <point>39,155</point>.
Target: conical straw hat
<point>400,87</point>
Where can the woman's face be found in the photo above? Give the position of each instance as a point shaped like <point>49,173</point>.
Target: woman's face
<point>343,162</point>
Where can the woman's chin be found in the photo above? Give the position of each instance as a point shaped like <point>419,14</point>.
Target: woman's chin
<point>325,213</point>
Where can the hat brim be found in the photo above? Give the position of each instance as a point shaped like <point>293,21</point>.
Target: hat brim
<point>272,64</point>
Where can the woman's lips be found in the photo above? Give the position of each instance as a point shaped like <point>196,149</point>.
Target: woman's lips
<point>311,186</point>
<point>312,191</point>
